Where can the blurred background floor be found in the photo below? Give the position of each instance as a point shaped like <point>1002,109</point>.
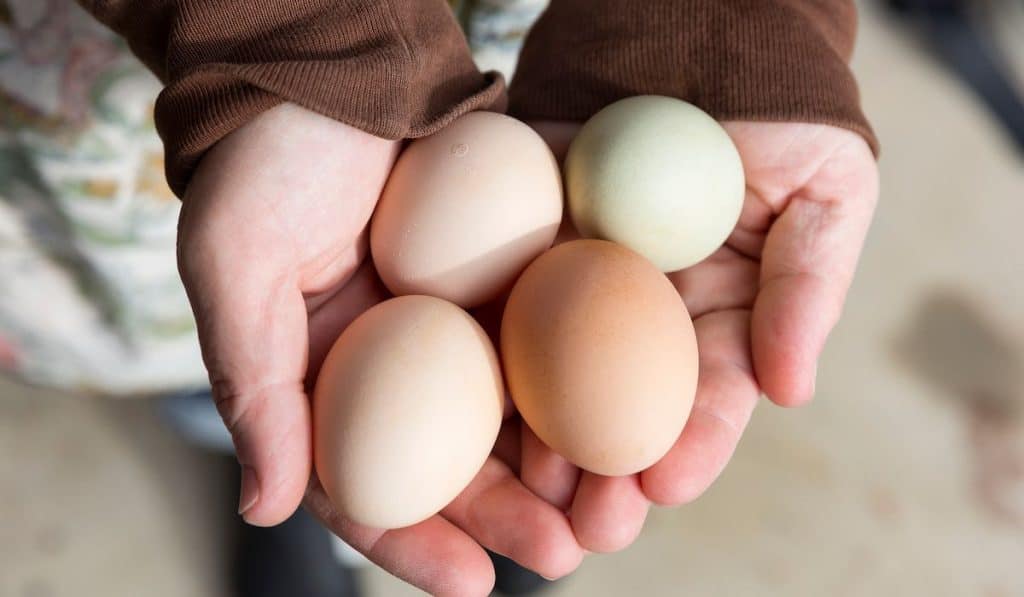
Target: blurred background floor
<point>905,477</point>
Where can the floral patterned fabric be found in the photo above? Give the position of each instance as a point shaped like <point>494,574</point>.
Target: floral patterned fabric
<point>90,298</point>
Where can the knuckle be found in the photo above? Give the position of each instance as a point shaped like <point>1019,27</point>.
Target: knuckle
<point>238,404</point>
<point>230,403</point>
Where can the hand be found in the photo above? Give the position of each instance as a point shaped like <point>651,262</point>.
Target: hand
<point>271,251</point>
<point>763,306</point>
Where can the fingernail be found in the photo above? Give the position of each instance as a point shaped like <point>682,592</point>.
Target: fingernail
<point>250,492</point>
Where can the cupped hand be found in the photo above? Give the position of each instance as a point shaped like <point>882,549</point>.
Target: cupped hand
<point>272,246</point>
<point>763,306</point>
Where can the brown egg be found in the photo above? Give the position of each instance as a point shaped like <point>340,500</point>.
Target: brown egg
<point>466,209</point>
<point>406,409</point>
<point>600,356</point>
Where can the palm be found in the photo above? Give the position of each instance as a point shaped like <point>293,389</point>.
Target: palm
<point>762,305</point>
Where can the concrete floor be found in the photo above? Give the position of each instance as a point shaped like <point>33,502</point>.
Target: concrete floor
<point>905,477</point>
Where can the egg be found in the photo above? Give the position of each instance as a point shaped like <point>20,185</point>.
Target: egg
<point>406,409</point>
<point>466,209</point>
<point>600,356</point>
<point>657,175</point>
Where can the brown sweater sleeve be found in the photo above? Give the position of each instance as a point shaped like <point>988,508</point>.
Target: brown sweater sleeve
<point>777,60</point>
<point>393,68</point>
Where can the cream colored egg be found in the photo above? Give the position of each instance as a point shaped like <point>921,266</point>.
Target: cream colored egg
<point>405,411</point>
<point>466,209</point>
<point>657,175</point>
<point>600,356</point>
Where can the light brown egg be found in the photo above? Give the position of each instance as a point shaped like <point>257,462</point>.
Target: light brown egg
<point>406,409</point>
<point>466,209</point>
<point>600,356</point>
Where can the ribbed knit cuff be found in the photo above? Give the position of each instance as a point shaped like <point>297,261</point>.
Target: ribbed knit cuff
<point>768,60</point>
<point>392,68</point>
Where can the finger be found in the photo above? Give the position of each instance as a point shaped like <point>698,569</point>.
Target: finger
<point>808,262</point>
<point>545,473</point>
<point>726,396</point>
<point>488,316</point>
<point>507,447</point>
<point>506,518</point>
<point>253,339</point>
<point>337,310</point>
<point>272,211</point>
<point>337,275</point>
<point>433,555</point>
<point>725,280</point>
<point>251,322</point>
<point>608,513</point>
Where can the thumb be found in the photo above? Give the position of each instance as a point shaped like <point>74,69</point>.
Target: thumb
<point>272,210</point>
<point>252,329</point>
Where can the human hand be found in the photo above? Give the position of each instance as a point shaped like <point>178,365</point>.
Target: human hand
<point>763,306</point>
<point>271,251</point>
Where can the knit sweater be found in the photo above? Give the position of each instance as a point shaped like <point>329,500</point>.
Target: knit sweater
<point>402,68</point>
